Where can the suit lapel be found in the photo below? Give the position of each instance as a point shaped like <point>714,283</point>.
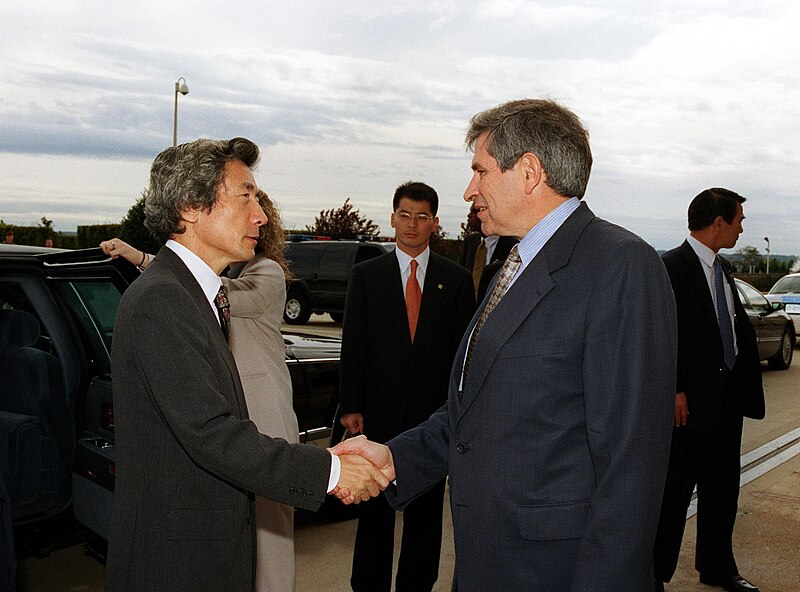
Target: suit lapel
<point>697,278</point>
<point>392,289</point>
<point>431,297</point>
<point>176,265</point>
<point>518,303</point>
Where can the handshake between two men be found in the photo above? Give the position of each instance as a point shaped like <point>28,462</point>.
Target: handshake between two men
<point>367,469</point>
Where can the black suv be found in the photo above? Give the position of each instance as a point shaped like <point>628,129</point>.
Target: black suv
<point>321,270</point>
<point>57,312</point>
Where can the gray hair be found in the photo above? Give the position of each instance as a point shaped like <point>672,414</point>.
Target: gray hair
<point>544,128</point>
<point>188,176</point>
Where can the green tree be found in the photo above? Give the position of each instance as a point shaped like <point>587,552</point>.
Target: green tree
<point>343,222</point>
<point>749,259</point>
<point>133,231</point>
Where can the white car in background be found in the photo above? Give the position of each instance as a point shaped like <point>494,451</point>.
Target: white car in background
<point>787,291</point>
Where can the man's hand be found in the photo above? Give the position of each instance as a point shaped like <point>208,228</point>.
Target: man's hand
<point>354,422</point>
<point>681,409</point>
<point>377,454</point>
<point>359,480</point>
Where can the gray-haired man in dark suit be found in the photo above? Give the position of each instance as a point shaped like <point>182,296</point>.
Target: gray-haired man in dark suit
<point>187,456</point>
<point>556,430</point>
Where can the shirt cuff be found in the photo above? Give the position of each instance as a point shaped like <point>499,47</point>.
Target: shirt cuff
<point>336,470</point>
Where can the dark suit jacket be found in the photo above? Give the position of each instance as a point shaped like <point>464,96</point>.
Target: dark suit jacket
<point>471,242</point>
<point>700,346</point>
<point>557,452</point>
<point>393,383</point>
<point>186,457</point>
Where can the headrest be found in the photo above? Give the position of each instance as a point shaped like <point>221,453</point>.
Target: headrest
<point>18,328</point>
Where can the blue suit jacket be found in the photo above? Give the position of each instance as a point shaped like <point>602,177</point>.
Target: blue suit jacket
<point>557,452</point>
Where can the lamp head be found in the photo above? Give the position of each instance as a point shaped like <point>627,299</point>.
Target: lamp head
<point>180,86</point>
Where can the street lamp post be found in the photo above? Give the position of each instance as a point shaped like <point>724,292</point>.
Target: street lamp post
<point>180,87</point>
<point>766,238</point>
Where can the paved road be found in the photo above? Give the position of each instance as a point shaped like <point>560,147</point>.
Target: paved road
<point>767,536</point>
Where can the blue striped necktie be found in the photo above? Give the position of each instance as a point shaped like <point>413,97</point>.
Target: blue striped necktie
<point>724,317</point>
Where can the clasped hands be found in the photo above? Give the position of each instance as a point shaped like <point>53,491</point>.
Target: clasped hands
<point>367,468</point>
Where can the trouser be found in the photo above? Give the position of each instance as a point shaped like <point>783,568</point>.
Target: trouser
<point>709,459</point>
<point>420,548</point>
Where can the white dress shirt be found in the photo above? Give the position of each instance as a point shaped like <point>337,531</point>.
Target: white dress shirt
<point>405,266</point>
<point>490,242</point>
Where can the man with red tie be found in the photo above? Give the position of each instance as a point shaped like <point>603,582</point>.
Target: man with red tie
<point>405,315</point>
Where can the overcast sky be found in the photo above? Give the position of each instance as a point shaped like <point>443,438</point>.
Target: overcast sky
<point>351,99</point>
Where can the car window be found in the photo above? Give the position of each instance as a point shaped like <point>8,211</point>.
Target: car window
<point>368,252</point>
<point>755,298</point>
<point>95,304</point>
<point>303,257</point>
<point>335,259</point>
<point>786,285</point>
<point>13,297</point>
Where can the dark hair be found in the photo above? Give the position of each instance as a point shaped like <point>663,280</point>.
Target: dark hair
<point>416,191</point>
<point>709,204</point>
<point>188,176</point>
<point>544,128</point>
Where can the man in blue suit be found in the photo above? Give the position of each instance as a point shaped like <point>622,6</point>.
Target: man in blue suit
<point>556,431</point>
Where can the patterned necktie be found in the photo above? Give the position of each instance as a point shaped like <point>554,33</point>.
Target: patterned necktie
<point>479,264</point>
<point>724,317</point>
<point>413,299</point>
<point>507,273</point>
<point>224,311</point>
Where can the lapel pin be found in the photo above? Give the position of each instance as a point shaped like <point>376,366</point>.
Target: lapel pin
<point>440,286</point>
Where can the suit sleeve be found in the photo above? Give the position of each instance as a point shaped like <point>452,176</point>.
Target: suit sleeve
<point>629,378</point>
<point>255,290</point>
<point>192,391</point>
<point>420,459</point>
<point>352,378</point>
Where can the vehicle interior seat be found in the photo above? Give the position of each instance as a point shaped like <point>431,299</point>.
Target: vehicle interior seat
<point>36,426</point>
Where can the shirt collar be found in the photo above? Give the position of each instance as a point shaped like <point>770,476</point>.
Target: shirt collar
<point>209,281</point>
<point>405,259</point>
<point>535,239</point>
<point>705,254</point>
<point>490,240</point>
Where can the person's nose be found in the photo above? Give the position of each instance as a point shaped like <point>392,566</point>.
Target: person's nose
<point>472,189</point>
<point>259,216</point>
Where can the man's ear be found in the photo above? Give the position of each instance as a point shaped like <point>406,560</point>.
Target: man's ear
<point>532,171</point>
<point>190,215</point>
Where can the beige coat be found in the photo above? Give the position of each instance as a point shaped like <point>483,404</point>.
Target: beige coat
<point>257,299</point>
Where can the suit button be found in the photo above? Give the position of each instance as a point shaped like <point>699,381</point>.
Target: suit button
<point>293,491</point>
<point>461,448</point>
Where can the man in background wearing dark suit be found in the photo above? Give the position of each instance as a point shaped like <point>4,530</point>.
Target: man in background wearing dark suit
<point>555,434</point>
<point>718,382</point>
<point>405,315</point>
<point>480,251</point>
<point>187,456</point>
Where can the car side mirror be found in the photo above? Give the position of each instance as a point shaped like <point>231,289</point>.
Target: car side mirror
<point>777,305</point>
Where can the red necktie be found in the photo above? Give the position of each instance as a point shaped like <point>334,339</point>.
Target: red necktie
<point>413,299</point>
